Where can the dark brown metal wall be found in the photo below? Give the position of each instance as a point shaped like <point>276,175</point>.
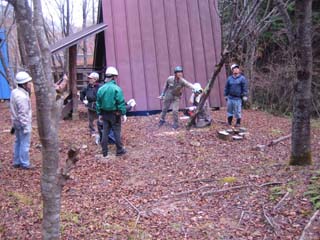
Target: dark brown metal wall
<point>146,39</point>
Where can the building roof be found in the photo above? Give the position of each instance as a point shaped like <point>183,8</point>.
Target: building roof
<point>76,37</point>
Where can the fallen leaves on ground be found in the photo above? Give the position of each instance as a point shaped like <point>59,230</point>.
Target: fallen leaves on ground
<point>159,189</point>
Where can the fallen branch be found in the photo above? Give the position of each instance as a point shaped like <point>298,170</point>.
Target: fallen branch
<point>241,216</point>
<point>269,183</point>
<point>281,200</point>
<point>261,147</point>
<point>137,210</point>
<point>302,237</point>
<point>192,191</point>
<point>226,190</point>
<point>196,180</point>
<point>223,190</point>
<point>280,139</point>
<point>269,219</point>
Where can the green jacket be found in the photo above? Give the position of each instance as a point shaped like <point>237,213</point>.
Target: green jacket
<point>110,98</point>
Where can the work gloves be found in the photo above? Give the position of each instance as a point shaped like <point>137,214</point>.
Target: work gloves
<point>124,117</point>
<point>131,103</point>
<point>161,96</point>
<point>85,102</point>
<point>245,98</point>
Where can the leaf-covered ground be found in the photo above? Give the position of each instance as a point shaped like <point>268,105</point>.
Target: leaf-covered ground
<point>170,185</point>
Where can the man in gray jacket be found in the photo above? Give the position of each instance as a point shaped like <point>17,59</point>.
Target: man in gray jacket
<point>21,115</point>
<point>171,95</point>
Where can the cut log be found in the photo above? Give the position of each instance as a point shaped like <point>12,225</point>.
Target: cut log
<point>244,134</point>
<point>237,137</point>
<point>243,130</point>
<point>230,130</point>
<point>224,135</point>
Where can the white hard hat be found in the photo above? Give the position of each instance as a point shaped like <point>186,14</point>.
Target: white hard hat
<point>23,77</point>
<point>111,71</point>
<point>197,87</point>
<point>234,66</point>
<point>94,75</point>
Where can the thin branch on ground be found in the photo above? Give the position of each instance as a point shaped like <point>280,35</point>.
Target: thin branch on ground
<point>241,217</point>
<point>269,183</point>
<point>196,180</point>
<point>136,209</point>
<point>261,147</point>
<point>268,218</point>
<point>192,191</point>
<point>226,190</point>
<point>280,139</point>
<point>281,200</point>
<point>302,237</point>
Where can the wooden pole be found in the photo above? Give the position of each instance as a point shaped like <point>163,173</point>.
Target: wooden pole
<point>73,80</point>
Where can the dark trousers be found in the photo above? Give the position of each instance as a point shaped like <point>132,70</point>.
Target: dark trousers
<point>92,115</point>
<point>111,120</point>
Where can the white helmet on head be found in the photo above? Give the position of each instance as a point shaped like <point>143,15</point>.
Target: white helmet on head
<point>94,75</point>
<point>197,88</point>
<point>111,71</point>
<point>23,77</point>
<point>234,66</point>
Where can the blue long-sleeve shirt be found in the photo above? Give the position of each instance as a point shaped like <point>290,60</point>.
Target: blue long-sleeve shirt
<point>236,87</point>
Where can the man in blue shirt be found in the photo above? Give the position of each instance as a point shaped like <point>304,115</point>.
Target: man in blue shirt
<point>235,91</point>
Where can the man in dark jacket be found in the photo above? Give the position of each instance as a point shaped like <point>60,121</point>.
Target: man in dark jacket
<point>110,107</point>
<point>235,91</point>
<point>88,96</point>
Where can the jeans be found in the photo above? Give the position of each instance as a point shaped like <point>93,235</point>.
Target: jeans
<point>234,107</point>
<point>21,148</point>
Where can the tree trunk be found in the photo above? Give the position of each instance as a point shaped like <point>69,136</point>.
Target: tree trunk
<point>301,146</point>
<point>38,58</point>
<point>207,90</point>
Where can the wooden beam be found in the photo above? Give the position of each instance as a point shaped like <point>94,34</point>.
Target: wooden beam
<point>73,80</point>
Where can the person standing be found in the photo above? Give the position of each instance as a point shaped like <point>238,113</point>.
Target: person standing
<point>111,106</point>
<point>236,90</point>
<point>171,95</point>
<point>88,96</point>
<point>21,115</point>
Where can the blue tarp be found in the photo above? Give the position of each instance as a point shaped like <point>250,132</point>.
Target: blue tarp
<point>4,86</point>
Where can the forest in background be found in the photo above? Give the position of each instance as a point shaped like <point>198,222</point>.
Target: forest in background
<point>265,57</point>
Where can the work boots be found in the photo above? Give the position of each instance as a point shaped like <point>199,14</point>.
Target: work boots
<point>161,122</point>
<point>238,123</point>
<point>230,121</point>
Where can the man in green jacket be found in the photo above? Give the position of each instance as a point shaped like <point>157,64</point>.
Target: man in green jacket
<point>110,107</point>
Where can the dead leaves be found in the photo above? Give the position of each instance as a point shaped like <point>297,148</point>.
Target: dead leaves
<point>164,176</point>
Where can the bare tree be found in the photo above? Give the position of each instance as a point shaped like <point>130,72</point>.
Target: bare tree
<point>243,14</point>
<point>48,113</point>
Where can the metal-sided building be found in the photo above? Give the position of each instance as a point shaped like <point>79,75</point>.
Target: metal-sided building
<point>146,39</point>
